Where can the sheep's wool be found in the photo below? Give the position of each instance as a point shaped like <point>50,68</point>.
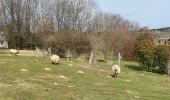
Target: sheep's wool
<point>116,69</point>
<point>13,51</point>
<point>55,59</point>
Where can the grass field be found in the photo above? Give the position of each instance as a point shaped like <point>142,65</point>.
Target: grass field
<point>35,78</point>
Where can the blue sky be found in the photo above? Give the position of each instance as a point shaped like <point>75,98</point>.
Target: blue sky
<point>151,13</point>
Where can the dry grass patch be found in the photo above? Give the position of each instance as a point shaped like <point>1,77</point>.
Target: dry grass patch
<point>80,72</point>
<point>29,53</point>
<point>47,69</point>
<point>24,70</point>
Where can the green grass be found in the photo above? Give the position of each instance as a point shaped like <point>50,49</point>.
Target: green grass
<point>94,84</point>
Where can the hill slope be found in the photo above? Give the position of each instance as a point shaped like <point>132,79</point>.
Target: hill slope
<point>35,78</point>
<point>161,32</point>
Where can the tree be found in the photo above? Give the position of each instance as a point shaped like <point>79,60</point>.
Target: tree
<point>110,33</point>
<point>128,49</point>
<point>17,19</point>
<point>144,50</point>
<point>41,22</point>
<point>162,56</point>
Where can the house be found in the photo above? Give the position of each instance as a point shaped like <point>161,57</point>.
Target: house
<point>3,41</point>
<point>164,40</point>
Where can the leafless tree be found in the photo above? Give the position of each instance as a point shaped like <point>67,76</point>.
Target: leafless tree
<point>64,24</point>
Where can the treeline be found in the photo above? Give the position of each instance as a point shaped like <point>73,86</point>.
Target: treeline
<point>77,25</point>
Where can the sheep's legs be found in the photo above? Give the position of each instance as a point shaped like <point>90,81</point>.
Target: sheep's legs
<point>52,62</point>
<point>116,75</point>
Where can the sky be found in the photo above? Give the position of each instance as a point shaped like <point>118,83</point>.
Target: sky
<point>150,13</point>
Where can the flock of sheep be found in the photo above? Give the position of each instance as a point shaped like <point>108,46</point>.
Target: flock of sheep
<point>55,59</point>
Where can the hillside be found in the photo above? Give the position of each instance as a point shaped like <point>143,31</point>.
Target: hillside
<point>161,32</point>
<point>35,78</point>
<point>164,29</point>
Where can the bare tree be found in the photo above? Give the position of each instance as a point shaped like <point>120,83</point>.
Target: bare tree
<point>17,16</point>
<point>64,24</point>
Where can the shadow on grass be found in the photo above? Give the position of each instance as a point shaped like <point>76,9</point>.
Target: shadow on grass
<point>112,76</point>
<point>138,68</point>
<point>157,71</point>
<point>134,67</point>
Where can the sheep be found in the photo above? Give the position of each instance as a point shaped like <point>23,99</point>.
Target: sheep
<point>116,70</point>
<point>14,51</point>
<point>55,59</point>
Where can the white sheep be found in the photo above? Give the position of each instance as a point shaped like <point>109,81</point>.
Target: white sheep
<point>116,70</point>
<point>14,51</point>
<point>55,59</point>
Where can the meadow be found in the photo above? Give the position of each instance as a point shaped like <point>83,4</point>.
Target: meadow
<point>32,77</point>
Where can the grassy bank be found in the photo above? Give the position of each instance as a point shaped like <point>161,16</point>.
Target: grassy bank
<point>35,78</point>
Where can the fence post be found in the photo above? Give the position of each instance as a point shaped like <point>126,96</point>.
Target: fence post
<point>43,53</point>
<point>36,50</point>
<point>91,57</point>
<point>68,55</point>
<point>49,51</point>
<point>169,70</point>
<point>119,58</point>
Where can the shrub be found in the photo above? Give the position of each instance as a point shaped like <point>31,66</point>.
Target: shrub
<point>162,56</point>
<point>144,50</point>
<point>128,49</point>
<point>77,43</point>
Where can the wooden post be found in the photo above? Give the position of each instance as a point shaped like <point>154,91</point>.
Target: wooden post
<point>43,52</point>
<point>91,57</point>
<point>49,51</point>
<point>169,70</point>
<point>36,50</point>
<point>68,55</point>
<point>119,58</point>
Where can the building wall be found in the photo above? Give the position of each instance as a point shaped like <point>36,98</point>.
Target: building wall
<point>163,42</point>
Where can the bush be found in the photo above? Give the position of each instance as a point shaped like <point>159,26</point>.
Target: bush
<point>162,56</point>
<point>77,43</point>
<point>128,49</point>
<point>144,50</point>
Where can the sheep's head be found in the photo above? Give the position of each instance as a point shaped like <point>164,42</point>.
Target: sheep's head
<point>116,69</point>
<point>55,59</point>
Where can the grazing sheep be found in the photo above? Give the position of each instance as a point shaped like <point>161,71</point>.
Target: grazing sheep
<point>55,59</point>
<point>116,70</point>
<point>14,51</point>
